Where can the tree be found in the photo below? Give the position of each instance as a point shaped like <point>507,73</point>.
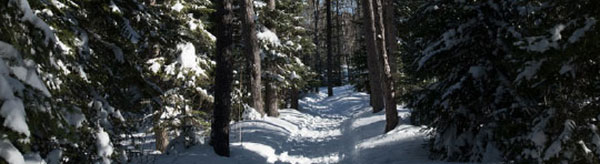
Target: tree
<point>372,56</point>
<point>253,56</point>
<point>329,50</point>
<point>223,17</point>
<point>316,40</point>
<point>391,113</point>
<point>511,81</point>
<point>271,90</point>
<point>391,33</point>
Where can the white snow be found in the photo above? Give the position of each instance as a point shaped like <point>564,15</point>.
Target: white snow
<point>54,156</point>
<point>113,7</point>
<point>530,70</point>
<point>58,4</point>
<point>269,36</point>
<point>33,158</point>
<point>556,32</point>
<point>295,76</point>
<point>188,57</point>
<point>338,129</point>
<point>29,76</point>
<point>75,118</point>
<point>24,71</point>
<point>187,61</point>
<point>250,113</point>
<point>104,146</point>
<point>9,153</point>
<point>177,7</point>
<point>6,91</point>
<point>155,64</point>
<point>259,4</point>
<point>581,31</point>
<point>30,17</point>
<point>14,116</point>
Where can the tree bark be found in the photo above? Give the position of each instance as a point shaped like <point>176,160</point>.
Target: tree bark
<point>271,98</point>
<point>223,78</point>
<point>271,94</point>
<point>295,95</point>
<point>253,56</point>
<point>372,56</point>
<point>162,138</point>
<point>391,113</point>
<point>391,32</point>
<point>340,34</point>
<point>317,52</point>
<point>329,51</point>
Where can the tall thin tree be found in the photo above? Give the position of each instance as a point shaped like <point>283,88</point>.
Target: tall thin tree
<point>391,32</point>
<point>340,34</point>
<point>391,113</point>
<point>317,47</point>
<point>329,50</point>
<point>271,90</point>
<point>223,77</point>
<point>253,56</point>
<point>372,56</point>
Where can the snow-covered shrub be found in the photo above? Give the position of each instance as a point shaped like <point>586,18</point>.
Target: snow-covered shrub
<point>511,80</point>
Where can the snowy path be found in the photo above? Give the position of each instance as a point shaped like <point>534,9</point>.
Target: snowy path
<point>338,129</point>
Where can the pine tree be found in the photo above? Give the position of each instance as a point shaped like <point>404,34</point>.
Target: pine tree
<point>224,77</point>
<point>511,80</point>
<point>252,51</point>
<point>387,85</point>
<point>377,101</point>
<point>329,49</point>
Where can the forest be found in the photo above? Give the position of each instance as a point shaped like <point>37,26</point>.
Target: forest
<point>299,81</point>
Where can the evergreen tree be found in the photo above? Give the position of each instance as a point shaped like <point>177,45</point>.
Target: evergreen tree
<point>100,75</point>
<point>512,80</point>
<point>252,51</point>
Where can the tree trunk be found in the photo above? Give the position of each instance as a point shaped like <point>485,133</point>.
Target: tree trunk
<point>372,56</point>
<point>271,94</point>
<point>253,56</point>
<point>340,34</point>
<point>391,32</point>
<point>161,136</point>
<point>223,77</point>
<point>317,52</point>
<point>391,113</point>
<point>271,98</point>
<point>295,95</point>
<point>329,51</point>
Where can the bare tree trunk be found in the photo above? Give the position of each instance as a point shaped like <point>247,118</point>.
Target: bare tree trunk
<point>162,138</point>
<point>340,34</point>
<point>391,32</point>
<point>223,78</point>
<point>317,51</point>
<point>271,94</point>
<point>253,56</point>
<point>329,51</point>
<point>391,113</point>
<point>294,96</point>
<point>271,98</point>
<point>372,57</point>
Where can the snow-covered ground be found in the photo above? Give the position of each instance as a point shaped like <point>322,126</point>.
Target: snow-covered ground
<point>338,129</point>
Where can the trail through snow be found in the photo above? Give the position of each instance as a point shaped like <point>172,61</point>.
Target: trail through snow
<point>338,129</point>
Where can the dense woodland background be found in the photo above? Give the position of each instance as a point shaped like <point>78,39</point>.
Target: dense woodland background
<point>87,80</point>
